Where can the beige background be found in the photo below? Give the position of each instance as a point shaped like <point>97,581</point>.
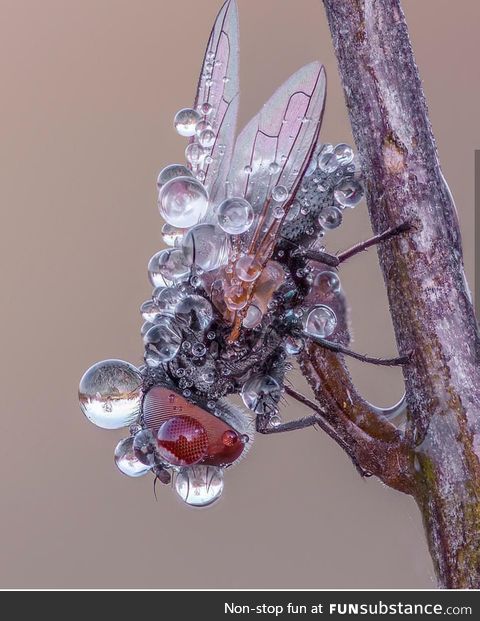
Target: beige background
<point>89,89</point>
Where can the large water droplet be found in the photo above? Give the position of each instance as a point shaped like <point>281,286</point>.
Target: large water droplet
<point>145,447</point>
<point>321,321</point>
<point>183,201</point>
<point>185,121</point>
<point>169,264</point>
<point>172,235</point>
<point>170,172</point>
<point>127,461</point>
<point>235,215</point>
<point>196,311</point>
<point>163,341</point>
<point>344,154</point>
<point>194,153</point>
<point>279,193</point>
<point>199,486</point>
<point>207,138</point>
<point>348,193</point>
<point>110,393</point>
<point>253,317</point>
<point>248,268</point>
<point>206,246</point>
<point>261,393</point>
<point>328,162</point>
<point>330,218</point>
<point>327,283</point>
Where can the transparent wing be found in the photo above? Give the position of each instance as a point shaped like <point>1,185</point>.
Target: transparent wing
<point>218,87</point>
<point>274,148</point>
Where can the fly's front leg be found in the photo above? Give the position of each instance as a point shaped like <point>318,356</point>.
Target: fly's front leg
<point>336,260</point>
<point>264,424</point>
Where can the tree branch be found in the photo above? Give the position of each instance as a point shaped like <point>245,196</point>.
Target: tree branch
<point>423,270</point>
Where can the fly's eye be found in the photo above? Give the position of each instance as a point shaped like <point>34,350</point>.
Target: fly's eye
<point>229,437</point>
<point>182,441</point>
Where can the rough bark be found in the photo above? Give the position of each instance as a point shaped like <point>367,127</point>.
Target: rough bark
<point>432,312</point>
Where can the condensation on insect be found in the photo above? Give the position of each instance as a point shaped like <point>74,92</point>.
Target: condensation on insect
<point>232,300</point>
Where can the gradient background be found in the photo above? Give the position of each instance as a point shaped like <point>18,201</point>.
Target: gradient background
<point>89,90</point>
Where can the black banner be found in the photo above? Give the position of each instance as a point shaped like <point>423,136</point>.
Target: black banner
<point>213,605</point>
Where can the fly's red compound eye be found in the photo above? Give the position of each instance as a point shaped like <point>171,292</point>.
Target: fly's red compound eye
<point>182,441</point>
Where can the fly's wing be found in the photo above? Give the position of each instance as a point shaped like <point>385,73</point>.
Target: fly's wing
<point>218,86</point>
<point>274,148</point>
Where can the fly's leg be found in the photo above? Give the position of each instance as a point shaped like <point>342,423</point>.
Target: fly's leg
<point>262,426</point>
<point>377,239</point>
<point>340,349</point>
<point>335,260</point>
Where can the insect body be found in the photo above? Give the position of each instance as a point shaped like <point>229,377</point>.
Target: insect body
<point>244,222</point>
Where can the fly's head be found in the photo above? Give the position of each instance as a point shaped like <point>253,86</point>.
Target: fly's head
<point>233,289</point>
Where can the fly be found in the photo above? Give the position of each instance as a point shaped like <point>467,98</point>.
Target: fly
<point>245,279</point>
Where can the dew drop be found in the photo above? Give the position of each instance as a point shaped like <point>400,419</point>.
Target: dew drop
<point>185,121</point>
<point>127,461</point>
<point>235,215</point>
<point>321,321</point>
<point>110,393</point>
<point>199,486</point>
<point>183,201</point>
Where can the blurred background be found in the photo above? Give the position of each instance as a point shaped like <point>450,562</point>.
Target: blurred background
<point>89,91</point>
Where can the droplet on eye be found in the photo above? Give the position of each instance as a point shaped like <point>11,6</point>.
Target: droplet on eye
<point>182,441</point>
<point>229,437</point>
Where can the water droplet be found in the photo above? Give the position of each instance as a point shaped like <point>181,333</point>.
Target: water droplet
<point>278,212</point>
<point>110,393</point>
<point>169,264</point>
<point>207,138</point>
<point>183,201</point>
<point>195,311</point>
<point>202,126</point>
<point>261,393</point>
<point>206,108</point>
<point>185,121</point>
<point>344,154</point>
<point>199,350</point>
<point>166,298</point>
<point>170,172</point>
<point>330,218</point>
<point>247,170</point>
<point>206,246</point>
<point>235,297</point>
<point>279,193</point>
<point>199,486</point>
<point>182,441</point>
<point>194,153</point>
<point>321,321</point>
<point>273,168</point>
<point>348,193</point>
<point>149,310</point>
<point>235,215</point>
<point>328,162</point>
<point>145,447</point>
<point>253,317</point>
<point>127,461</point>
<point>327,283</point>
<point>163,341</point>
<point>172,235</point>
<point>248,268</point>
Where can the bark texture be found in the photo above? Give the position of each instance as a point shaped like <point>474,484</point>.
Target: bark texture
<point>438,458</point>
